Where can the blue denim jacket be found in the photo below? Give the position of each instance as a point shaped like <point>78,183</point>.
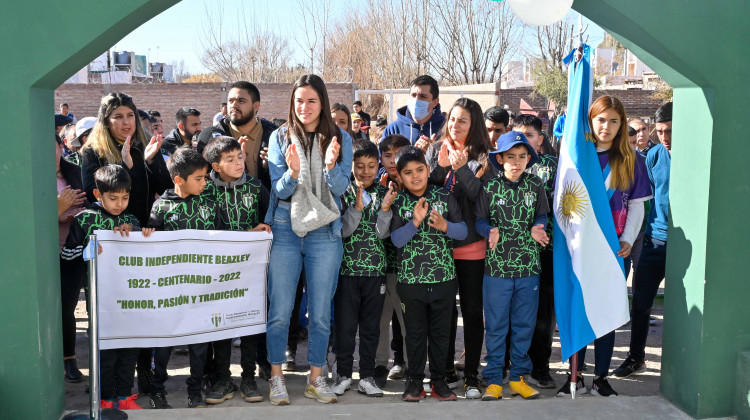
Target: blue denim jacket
<point>283,185</point>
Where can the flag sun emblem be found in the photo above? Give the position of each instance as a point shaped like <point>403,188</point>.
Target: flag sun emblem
<point>573,203</point>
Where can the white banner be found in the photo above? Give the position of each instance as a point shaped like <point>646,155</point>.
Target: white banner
<point>181,287</point>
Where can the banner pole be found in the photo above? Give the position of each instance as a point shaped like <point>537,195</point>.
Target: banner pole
<point>95,410</point>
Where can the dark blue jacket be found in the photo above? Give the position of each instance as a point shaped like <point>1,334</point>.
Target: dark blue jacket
<point>407,127</point>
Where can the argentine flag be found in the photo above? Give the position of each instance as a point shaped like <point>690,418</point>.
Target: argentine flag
<point>91,250</point>
<point>590,291</point>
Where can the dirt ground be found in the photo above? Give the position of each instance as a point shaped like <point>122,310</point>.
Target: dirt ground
<point>646,384</point>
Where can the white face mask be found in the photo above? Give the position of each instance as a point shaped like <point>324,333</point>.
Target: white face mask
<point>418,108</point>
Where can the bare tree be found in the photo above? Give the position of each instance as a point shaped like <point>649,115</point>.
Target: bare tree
<point>315,17</point>
<point>469,39</point>
<point>250,53</point>
<point>553,43</point>
<point>179,71</point>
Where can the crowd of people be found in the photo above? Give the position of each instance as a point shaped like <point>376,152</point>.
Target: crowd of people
<point>414,213</point>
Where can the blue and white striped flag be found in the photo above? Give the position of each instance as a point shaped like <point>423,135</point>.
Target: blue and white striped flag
<point>89,253</point>
<point>590,290</point>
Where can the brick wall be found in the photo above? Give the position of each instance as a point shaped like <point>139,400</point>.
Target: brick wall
<point>168,98</point>
<point>637,102</point>
<point>84,99</point>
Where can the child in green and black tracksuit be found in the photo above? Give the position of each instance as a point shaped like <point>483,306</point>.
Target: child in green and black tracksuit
<point>425,219</point>
<point>108,213</point>
<point>545,168</point>
<point>242,202</point>
<point>512,213</point>
<point>358,302</point>
<point>184,207</point>
<point>388,176</point>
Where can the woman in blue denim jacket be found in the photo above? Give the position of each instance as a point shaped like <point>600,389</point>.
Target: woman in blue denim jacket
<point>310,161</point>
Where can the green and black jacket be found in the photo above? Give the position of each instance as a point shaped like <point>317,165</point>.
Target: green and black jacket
<point>85,223</point>
<point>172,212</point>
<point>425,254</point>
<point>242,203</point>
<point>364,251</point>
<point>546,169</point>
<point>514,208</point>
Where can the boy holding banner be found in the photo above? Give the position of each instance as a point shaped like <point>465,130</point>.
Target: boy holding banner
<point>184,207</point>
<point>112,191</point>
<point>242,203</point>
<point>512,213</point>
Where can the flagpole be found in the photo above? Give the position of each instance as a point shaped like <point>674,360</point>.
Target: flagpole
<point>95,411</point>
<point>573,375</point>
<point>574,357</point>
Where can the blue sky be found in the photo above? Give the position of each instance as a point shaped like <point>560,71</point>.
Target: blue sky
<point>175,34</point>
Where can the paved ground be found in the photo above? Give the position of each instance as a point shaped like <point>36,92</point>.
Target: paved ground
<point>354,404</point>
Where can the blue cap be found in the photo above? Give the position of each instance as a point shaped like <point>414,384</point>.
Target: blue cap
<point>509,140</point>
<point>61,120</point>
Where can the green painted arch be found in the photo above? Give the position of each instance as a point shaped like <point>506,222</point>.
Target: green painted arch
<point>699,47</point>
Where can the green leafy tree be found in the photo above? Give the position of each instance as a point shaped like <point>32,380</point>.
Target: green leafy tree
<point>552,83</point>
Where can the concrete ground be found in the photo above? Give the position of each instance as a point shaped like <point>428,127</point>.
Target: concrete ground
<point>639,395</point>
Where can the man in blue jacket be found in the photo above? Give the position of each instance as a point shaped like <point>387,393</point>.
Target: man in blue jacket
<point>420,120</point>
<point>651,267</point>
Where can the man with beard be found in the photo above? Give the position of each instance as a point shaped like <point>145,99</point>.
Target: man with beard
<point>242,123</point>
<point>157,127</point>
<point>188,125</point>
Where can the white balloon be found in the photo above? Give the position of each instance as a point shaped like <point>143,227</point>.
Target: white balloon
<point>540,12</point>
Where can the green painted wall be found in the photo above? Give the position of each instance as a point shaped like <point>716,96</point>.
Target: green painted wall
<point>700,48</point>
<point>44,43</point>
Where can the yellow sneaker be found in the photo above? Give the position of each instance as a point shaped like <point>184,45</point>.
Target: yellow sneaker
<point>493,393</point>
<point>520,387</point>
<point>320,392</point>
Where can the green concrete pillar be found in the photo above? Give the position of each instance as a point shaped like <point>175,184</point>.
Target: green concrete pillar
<point>44,43</point>
<point>699,47</point>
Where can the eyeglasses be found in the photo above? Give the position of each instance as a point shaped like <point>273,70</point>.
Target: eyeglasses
<point>662,132</point>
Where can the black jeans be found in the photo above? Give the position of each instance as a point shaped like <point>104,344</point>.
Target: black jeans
<point>248,355</point>
<point>397,340</point>
<point>198,356</point>
<point>541,343</point>
<point>358,304</point>
<point>648,276</point>
<point>117,369</point>
<point>428,309</point>
<point>603,348</point>
<point>72,278</point>
<point>470,275</point>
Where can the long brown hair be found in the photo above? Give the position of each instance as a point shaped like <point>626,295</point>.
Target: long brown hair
<point>478,139</point>
<point>621,155</point>
<point>338,106</point>
<point>326,128</point>
<point>101,139</point>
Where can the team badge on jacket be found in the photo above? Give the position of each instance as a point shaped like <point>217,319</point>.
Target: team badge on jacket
<point>528,198</point>
<point>204,212</point>
<point>248,200</point>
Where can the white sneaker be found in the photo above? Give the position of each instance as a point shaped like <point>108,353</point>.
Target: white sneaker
<point>237,342</point>
<point>368,387</point>
<point>341,385</point>
<point>278,394</point>
<point>396,372</point>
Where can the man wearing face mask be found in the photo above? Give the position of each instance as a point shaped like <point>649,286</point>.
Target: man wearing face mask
<point>420,120</point>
